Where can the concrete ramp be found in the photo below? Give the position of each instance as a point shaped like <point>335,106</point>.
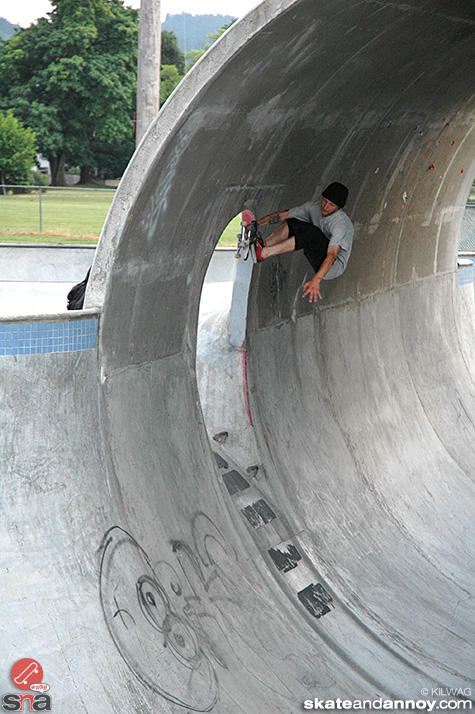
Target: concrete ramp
<point>149,568</point>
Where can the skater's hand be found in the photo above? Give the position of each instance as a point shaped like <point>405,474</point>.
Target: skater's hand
<point>312,289</point>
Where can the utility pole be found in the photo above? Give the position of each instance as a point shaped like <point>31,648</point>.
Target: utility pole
<point>148,66</point>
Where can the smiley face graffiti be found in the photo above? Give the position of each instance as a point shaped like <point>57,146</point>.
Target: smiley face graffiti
<point>162,649</point>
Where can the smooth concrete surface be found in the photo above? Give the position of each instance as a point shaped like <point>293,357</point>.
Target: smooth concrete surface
<point>335,558</point>
<point>32,298</point>
<point>30,285</point>
<point>44,263</point>
<point>36,279</point>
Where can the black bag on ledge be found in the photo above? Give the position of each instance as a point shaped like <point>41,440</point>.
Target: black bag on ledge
<point>76,294</point>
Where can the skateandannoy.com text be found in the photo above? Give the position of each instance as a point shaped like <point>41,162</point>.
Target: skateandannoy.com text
<point>427,705</point>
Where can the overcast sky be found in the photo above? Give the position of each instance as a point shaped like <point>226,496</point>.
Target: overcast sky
<point>24,12</point>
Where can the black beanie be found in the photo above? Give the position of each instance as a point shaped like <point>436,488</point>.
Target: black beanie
<point>336,193</point>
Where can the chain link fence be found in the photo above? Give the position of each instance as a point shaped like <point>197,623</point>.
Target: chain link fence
<point>467,232</point>
<point>52,213</point>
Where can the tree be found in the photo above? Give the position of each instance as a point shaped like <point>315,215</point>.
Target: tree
<point>171,53</point>
<point>194,55</point>
<point>71,77</point>
<point>172,65</point>
<point>169,79</point>
<point>17,150</point>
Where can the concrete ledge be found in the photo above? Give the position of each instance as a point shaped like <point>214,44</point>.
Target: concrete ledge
<point>66,316</point>
<point>44,263</point>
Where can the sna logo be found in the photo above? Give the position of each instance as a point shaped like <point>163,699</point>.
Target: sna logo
<point>27,675</point>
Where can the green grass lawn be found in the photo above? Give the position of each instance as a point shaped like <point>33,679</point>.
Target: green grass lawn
<point>67,216</point>
<point>229,236</point>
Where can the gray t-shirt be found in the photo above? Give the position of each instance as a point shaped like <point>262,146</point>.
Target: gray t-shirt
<point>338,228</point>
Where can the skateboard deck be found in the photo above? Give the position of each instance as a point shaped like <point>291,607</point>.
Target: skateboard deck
<point>248,237</point>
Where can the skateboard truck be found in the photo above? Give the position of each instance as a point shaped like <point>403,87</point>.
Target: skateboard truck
<point>248,237</point>
<point>242,242</point>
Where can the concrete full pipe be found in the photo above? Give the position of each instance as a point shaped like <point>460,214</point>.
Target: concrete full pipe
<point>147,574</point>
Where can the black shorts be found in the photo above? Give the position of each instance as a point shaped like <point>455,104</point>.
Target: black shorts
<point>310,239</point>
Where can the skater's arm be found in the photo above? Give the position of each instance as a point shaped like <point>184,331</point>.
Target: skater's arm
<point>273,218</point>
<point>312,288</point>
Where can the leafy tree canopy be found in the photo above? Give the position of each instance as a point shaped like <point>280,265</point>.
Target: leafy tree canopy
<point>71,77</point>
<point>17,150</point>
<point>171,53</point>
<point>169,79</point>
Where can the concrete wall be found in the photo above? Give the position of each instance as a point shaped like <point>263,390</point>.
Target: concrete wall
<point>342,566</point>
<point>30,263</point>
<point>362,407</point>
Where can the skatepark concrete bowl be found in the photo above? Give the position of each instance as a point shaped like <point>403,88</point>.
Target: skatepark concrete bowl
<point>147,573</point>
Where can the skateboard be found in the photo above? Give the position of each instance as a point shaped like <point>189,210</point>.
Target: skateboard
<point>248,237</point>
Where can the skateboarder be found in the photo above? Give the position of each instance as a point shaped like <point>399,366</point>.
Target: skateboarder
<point>321,228</point>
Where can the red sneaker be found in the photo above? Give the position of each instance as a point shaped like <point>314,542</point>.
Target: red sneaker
<point>258,248</point>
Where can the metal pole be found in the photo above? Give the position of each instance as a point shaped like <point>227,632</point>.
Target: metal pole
<point>41,214</point>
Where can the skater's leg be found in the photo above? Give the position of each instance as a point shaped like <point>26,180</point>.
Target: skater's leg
<point>280,234</point>
<point>284,246</point>
<point>296,235</point>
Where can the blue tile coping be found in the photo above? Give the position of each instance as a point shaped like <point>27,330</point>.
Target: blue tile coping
<point>28,338</point>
